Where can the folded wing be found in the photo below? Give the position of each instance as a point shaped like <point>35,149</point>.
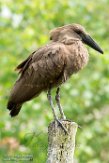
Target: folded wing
<point>39,71</point>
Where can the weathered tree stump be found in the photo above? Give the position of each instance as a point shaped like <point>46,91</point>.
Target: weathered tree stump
<point>60,145</point>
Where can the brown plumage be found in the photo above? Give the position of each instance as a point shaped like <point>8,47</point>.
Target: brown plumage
<point>51,65</point>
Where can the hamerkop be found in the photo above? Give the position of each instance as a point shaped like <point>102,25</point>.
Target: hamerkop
<point>50,66</point>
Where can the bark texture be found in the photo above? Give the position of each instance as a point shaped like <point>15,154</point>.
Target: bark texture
<point>60,145</point>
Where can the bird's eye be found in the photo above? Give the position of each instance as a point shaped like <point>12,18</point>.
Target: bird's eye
<point>51,38</point>
<point>78,32</point>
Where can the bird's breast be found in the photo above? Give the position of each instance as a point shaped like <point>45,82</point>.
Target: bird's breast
<point>76,58</point>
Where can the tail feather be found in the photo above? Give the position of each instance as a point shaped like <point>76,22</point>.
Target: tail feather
<point>14,108</point>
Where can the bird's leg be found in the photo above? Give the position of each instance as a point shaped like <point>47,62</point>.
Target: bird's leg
<point>51,103</point>
<point>57,98</point>
<point>53,110</point>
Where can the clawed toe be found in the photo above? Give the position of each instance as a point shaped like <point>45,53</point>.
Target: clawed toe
<point>67,120</point>
<point>61,125</point>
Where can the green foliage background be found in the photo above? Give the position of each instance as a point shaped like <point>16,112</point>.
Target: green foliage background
<point>25,26</point>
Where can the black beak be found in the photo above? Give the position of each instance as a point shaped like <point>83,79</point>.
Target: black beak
<point>89,41</point>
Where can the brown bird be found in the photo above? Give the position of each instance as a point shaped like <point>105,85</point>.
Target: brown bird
<point>50,66</point>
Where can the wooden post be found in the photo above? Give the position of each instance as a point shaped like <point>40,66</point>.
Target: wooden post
<point>60,145</point>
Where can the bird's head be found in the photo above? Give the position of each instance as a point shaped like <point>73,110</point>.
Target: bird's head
<point>74,31</point>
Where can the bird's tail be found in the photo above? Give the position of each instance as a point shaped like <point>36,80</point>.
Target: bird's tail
<point>14,108</point>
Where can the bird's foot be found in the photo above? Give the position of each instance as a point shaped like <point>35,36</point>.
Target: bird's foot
<point>61,125</point>
<point>70,121</point>
<point>66,120</point>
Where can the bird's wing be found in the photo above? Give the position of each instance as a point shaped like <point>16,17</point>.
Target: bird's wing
<point>23,65</point>
<point>42,69</point>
